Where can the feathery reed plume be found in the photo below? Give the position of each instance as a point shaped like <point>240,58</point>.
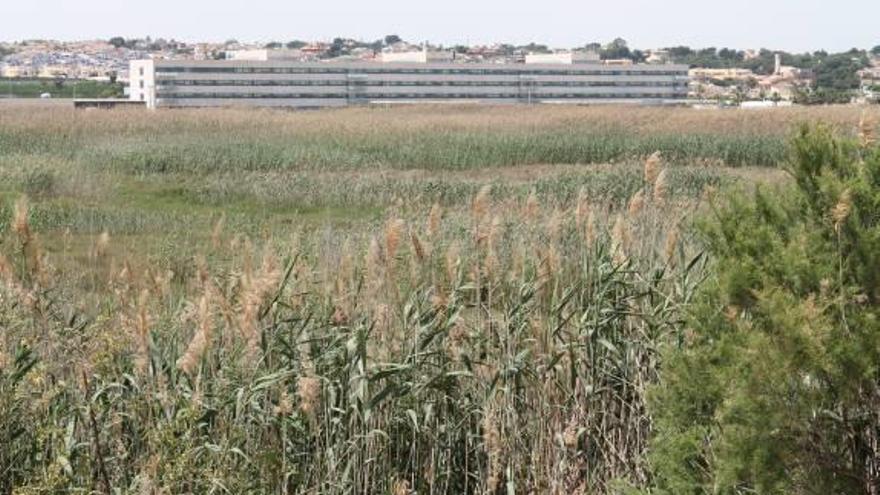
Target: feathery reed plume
<point>393,232</point>
<point>439,301</point>
<point>102,244</point>
<point>619,240</point>
<point>494,448</point>
<point>217,231</point>
<point>400,487</point>
<point>636,203</point>
<point>285,406</point>
<point>866,131</point>
<point>374,258</point>
<point>554,226</point>
<point>582,209</point>
<point>531,209</point>
<point>590,230</point>
<point>418,247</point>
<point>652,168</point>
<point>142,334</point>
<point>842,209</point>
<point>453,261</point>
<point>20,220</point>
<point>494,230</point>
<point>671,245</point>
<point>570,434</point>
<point>308,390</point>
<point>255,288</point>
<point>433,224</point>
<point>480,205</point>
<point>200,341</point>
<point>661,187</point>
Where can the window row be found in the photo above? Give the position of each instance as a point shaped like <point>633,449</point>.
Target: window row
<point>407,70</point>
<point>342,83</point>
<point>391,96</point>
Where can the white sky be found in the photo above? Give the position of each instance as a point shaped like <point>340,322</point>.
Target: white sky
<point>795,25</point>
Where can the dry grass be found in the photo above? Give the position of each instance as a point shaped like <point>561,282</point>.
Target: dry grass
<point>43,116</point>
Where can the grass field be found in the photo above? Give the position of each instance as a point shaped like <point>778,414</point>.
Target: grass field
<point>440,299</point>
<point>33,88</point>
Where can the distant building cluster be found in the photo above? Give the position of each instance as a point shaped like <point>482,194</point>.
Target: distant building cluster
<point>744,85</point>
<point>110,60</point>
<point>95,60</point>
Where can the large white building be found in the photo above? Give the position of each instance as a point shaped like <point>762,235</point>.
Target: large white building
<point>569,58</point>
<point>280,83</point>
<point>419,56</point>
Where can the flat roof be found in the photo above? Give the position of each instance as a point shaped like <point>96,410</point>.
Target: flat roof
<point>417,65</point>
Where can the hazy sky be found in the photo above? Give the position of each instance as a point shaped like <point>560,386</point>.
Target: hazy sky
<point>799,25</point>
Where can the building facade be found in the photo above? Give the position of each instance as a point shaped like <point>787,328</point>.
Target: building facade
<point>207,83</point>
<point>567,58</point>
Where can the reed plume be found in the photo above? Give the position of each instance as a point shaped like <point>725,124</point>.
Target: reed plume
<point>433,223</point>
<point>866,132</point>
<point>200,340</point>
<point>418,247</point>
<point>393,232</point>
<point>582,209</point>
<point>671,245</point>
<point>256,286</point>
<point>652,168</point>
<point>20,223</point>
<point>308,390</point>
<point>661,187</point>
<point>453,261</point>
<point>142,333</point>
<point>102,244</point>
<point>636,203</point>
<point>842,209</point>
<point>619,240</point>
<point>480,205</point>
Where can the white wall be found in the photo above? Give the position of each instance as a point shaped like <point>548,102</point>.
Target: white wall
<point>562,58</point>
<point>416,57</point>
<point>142,82</point>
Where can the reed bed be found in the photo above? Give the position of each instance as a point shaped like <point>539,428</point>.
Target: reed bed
<point>204,141</point>
<point>503,346</point>
<point>388,300</point>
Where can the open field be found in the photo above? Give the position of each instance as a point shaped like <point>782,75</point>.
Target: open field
<point>33,88</point>
<point>441,299</point>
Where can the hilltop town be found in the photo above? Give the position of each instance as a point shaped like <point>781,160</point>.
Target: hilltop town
<point>724,75</point>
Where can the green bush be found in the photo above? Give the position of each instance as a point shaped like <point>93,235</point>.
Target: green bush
<point>775,387</point>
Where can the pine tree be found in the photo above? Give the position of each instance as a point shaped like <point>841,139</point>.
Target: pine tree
<point>775,385</point>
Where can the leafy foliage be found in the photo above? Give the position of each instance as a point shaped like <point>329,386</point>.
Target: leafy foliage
<point>776,386</point>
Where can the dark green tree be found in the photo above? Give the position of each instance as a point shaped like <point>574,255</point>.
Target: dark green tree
<point>117,41</point>
<point>775,385</point>
<point>616,49</point>
<point>392,39</point>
